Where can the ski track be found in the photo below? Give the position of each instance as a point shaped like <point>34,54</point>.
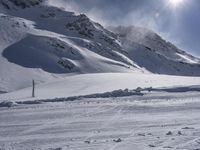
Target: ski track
<point>141,123</point>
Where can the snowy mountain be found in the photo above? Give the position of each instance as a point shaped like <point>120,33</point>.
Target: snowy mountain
<point>155,54</point>
<point>44,43</point>
<point>96,88</point>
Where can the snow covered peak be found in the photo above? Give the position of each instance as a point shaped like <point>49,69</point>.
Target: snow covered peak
<point>153,41</point>
<point>82,25</point>
<point>86,28</point>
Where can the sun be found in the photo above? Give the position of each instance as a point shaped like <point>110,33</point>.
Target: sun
<point>176,3</point>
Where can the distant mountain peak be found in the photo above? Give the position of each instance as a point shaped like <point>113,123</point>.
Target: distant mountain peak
<point>153,41</point>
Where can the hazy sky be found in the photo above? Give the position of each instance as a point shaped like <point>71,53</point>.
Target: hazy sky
<point>178,23</point>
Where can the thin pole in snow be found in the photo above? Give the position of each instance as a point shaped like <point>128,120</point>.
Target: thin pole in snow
<point>33,90</point>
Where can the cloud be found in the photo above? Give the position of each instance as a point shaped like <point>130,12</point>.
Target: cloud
<point>68,6</point>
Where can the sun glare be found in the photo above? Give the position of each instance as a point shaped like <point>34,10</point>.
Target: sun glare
<point>176,3</point>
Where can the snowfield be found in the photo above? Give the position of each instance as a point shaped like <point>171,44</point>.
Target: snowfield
<point>78,113</point>
<point>157,120</point>
<point>85,84</point>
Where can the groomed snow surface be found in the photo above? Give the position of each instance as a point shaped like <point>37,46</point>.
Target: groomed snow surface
<point>158,120</point>
<point>162,114</point>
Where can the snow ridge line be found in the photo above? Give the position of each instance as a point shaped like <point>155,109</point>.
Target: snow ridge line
<point>116,93</point>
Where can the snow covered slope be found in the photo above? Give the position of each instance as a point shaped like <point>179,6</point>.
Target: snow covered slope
<point>44,43</point>
<point>155,54</point>
<point>35,44</point>
<point>98,83</point>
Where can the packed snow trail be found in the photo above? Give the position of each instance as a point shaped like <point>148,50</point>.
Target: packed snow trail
<point>159,120</point>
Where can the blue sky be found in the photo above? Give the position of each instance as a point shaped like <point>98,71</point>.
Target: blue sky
<point>178,24</point>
